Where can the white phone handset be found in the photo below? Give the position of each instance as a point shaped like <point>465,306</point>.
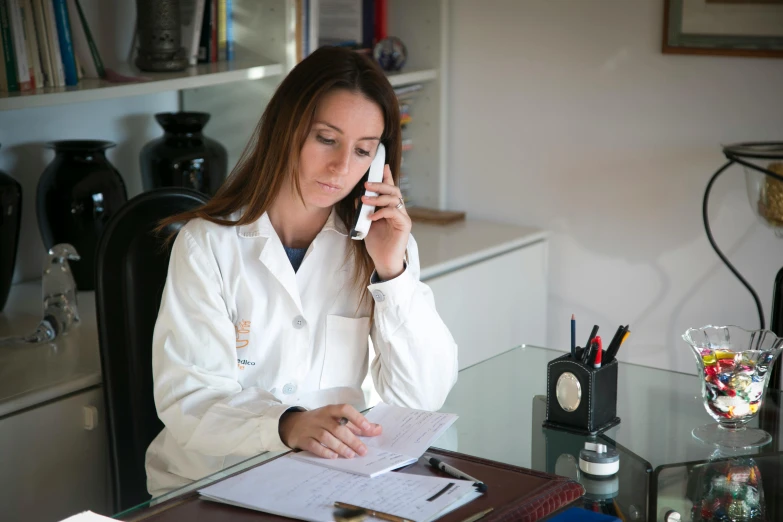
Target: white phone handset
<point>375,175</point>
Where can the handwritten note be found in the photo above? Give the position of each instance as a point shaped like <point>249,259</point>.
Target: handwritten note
<point>407,433</point>
<point>293,488</point>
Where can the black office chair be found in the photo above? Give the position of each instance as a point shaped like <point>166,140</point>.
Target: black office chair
<point>132,263</point>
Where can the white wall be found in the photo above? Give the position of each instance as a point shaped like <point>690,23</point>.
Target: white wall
<point>565,115</point>
<point>128,122</point>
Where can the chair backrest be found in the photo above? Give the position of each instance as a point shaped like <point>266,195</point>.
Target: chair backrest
<point>132,262</point>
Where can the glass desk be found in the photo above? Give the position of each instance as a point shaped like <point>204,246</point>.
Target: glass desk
<point>501,405</point>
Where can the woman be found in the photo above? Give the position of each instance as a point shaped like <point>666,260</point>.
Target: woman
<point>261,342</point>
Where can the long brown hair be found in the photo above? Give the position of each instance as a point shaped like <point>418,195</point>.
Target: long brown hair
<point>272,155</point>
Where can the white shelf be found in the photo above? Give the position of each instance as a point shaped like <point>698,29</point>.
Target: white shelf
<point>202,75</point>
<point>405,78</point>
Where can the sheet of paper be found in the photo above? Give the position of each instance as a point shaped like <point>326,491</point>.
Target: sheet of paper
<point>375,462</point>
<point>406,435</point>
<point>86,516</point>
<point>407,431</point>
<point>292,488</point>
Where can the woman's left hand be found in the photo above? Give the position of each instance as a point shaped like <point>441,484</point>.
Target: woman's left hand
<point>388,236</point>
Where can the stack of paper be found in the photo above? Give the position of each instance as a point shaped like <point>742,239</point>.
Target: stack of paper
<point>291,488</point>
<point>304,486</point>
<point>406,436</point>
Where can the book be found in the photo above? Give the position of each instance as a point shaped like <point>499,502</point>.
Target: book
<point>205,34</point>
<point>31,43</point>
<point>192,14</point>
<point>229,30</point>
<point>340,23</point>
<point>41,34</point>
<point>9,57</point>
<point>291,488</point>
<point>3,77</point>
<point>213,31</point>
<point>221,29</point>
<point>19,46</point>
<point>54,43</point>
<point>407,433</point>
<point>312,26</point>
<point>66,45</point>
<point>85,49</point>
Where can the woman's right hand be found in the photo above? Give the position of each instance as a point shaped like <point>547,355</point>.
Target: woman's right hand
<point>320,432</point>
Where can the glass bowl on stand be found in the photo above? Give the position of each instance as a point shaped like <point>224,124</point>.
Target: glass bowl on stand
<point>734,366</point>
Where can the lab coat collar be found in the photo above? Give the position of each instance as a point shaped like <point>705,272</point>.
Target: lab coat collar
<point>262,227</point>
<point>273,256</point>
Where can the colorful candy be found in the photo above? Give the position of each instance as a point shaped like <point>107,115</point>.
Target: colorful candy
<point>733,382</point>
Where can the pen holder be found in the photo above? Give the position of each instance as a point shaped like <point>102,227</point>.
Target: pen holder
<point>580,398</point>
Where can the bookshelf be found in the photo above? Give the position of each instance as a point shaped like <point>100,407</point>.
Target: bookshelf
<point>235,93</point>
<point>249,67</point>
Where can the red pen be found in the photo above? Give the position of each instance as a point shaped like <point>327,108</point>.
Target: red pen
<point>599,349</point>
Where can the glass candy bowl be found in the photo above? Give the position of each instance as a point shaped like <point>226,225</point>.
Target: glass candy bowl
<point>734,365</point>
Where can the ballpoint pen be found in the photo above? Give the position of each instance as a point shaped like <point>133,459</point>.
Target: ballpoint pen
<point>611,352</point>
<point>371,512</point>
<point>592,335</point>
<point>454,472</point>
<point>614,344</point>
<point>573,336</point>
<point>588,352</point>
<point>478,515</point>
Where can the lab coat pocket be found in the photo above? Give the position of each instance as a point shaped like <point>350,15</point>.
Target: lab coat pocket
<point>347,347</point>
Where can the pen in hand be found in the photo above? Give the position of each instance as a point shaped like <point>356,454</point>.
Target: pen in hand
<point>454,472</point>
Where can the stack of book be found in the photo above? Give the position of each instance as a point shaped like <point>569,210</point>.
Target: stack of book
<point>207,30</point>
<point>406,95</point>
<point>45,43</point>
<point>48,43</point>
<point>357,24</point>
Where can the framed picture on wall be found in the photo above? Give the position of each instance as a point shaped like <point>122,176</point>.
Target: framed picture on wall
<point>723,27</point>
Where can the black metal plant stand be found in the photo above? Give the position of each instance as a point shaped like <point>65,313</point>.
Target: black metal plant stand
<point>742,154</point>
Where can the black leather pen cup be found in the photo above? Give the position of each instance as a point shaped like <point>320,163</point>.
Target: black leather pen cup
<point>580,398</point>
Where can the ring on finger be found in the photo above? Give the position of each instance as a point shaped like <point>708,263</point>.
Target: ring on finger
<point>343,421</point>
<point>400,204</point>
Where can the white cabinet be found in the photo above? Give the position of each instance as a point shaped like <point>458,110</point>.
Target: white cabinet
<point>494,305</point>
<point>54,460</point>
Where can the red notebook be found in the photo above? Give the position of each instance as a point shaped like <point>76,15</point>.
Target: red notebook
<point>515,494</point>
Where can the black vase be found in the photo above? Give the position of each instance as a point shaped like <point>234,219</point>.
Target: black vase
<point>183,156</point>
<point>77,194</point>
<point>10,222</point>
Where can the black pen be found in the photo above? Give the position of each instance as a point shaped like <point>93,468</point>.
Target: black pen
<point>454,472</point>
<point>611,350</point>
<point>592,336</point>
<point>588,352</point>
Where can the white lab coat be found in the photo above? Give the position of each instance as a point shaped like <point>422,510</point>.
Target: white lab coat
<point>241,337</point>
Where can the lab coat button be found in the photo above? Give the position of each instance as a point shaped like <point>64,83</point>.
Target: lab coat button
<point>299,322</point>
<point>289,388</point>
<point>378,295</point>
